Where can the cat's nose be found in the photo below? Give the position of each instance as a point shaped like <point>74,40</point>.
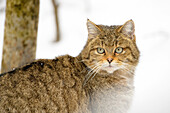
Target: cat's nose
<point>109,60</point>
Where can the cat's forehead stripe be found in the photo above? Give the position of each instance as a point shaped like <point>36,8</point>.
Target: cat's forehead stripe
<point>107,41</point>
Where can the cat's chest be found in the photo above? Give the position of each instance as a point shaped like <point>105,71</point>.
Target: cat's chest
<point>114,99</point>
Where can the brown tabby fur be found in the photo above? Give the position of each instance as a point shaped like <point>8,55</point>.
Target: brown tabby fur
<point>61,85</point>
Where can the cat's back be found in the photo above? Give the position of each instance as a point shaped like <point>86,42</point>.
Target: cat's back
<point>44,86</point>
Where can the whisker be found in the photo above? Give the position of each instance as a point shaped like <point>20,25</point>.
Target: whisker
<point>91,74</point>
<point>127,70</point>
<point>91,70</point>
<point>87,68</point>
<point>88,77</point>
<point>95,73</point>
<point>129,65</point>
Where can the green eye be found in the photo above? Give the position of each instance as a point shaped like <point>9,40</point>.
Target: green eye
<point>100,50</point>
<point>119,50</point>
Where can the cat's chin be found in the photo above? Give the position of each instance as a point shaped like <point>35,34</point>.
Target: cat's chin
<point>109,69</point>
<point>105,73</point>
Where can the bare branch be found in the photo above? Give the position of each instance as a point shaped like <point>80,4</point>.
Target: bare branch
<point>56,5</point>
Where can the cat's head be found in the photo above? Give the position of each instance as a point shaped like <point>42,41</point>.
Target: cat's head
<point>110,48</point>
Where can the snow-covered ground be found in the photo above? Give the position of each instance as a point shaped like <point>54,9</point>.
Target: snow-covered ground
<point>152,20</point>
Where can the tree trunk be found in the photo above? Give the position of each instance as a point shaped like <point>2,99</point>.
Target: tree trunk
<point>20,35</point>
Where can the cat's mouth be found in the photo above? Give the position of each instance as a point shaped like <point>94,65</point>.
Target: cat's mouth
<point>109,68</point>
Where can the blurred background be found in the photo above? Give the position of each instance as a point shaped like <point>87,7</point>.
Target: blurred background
<point>152,22</point>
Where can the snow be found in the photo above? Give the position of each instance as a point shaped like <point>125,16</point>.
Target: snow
<point>152,21</point>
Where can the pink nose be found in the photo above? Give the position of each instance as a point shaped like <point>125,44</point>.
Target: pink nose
<point>109,60</point>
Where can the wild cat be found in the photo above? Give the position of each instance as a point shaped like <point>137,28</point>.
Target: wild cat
<point>98,80</point>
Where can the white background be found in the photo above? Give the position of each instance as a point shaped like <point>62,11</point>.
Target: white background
<point>152,20</point>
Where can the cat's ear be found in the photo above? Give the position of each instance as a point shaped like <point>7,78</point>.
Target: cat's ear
<point>128,29</point>
<point>93,29</point>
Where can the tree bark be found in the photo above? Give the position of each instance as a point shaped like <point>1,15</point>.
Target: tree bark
<point>20,35</point>
<point>55,5</point>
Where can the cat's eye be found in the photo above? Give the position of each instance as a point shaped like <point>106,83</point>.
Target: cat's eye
<point>119,50</point>
<point>100,50</point>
